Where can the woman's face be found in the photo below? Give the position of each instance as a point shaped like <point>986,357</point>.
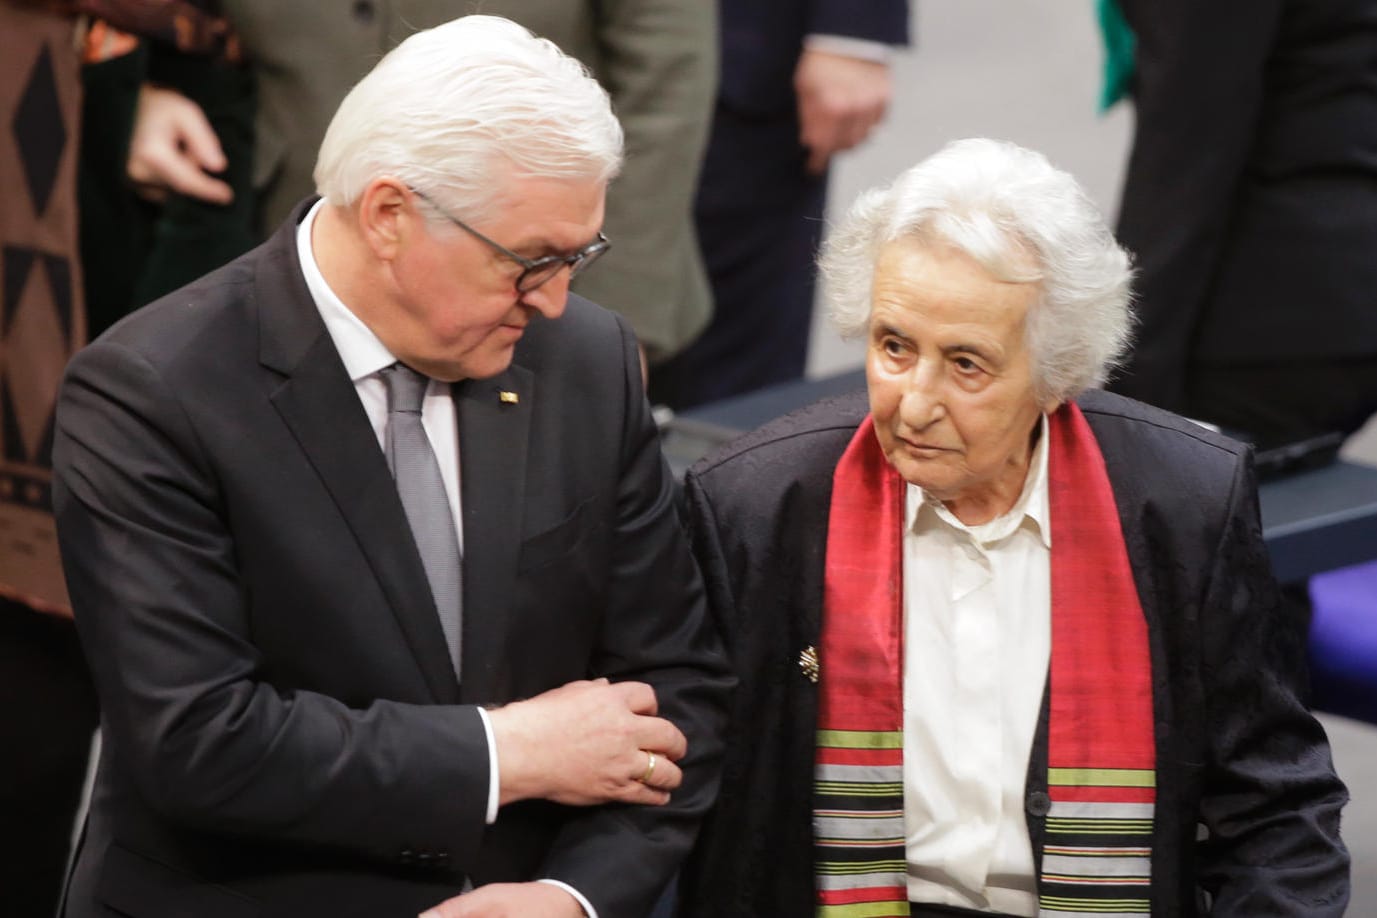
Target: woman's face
<point>950,377</point>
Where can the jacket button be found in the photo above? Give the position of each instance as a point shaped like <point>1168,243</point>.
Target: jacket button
<point>364,11</point>
<point>1039,804</point>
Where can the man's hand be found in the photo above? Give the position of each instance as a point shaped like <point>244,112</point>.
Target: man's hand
<point>587,743</point>
<point>840,99</point>
<point>509,900</point>
<point>173,147</point>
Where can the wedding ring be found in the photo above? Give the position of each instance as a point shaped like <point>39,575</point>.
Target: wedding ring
<point>649,768</point>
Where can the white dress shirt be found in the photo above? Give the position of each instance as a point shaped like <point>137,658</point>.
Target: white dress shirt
<point>364,357</point>
<point>977,643</point>
<point>877,52</point>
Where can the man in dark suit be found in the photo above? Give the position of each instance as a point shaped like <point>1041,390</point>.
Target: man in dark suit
<point>801,81</point>
<point>1250,203</point>
<point>360,653</point>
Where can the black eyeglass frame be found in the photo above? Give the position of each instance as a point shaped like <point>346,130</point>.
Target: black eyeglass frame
<point>531,274</point>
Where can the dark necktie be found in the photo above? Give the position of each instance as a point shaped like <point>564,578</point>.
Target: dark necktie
<point>422,490</point>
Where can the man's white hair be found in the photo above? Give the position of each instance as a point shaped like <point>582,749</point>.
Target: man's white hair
<point>453,110</point>
<point>1001,205</point>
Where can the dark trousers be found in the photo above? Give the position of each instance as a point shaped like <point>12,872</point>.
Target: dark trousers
<point>47,716</point>
<point>759,221</point>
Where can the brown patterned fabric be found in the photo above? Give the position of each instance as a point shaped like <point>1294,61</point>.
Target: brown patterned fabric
<point>40,286</point>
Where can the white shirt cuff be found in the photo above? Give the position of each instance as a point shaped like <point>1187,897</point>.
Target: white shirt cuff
<point>583,903</point>
<point>494,783</point>
<point>845,46</point>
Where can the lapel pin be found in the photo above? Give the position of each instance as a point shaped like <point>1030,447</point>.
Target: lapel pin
<point>808,662</point>
<point>507,397</point>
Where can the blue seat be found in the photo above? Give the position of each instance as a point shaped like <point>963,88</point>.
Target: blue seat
<point>1343,641</point>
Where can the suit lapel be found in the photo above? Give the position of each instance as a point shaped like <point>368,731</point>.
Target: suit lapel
<point>318,403</point>
<point>494,431</point>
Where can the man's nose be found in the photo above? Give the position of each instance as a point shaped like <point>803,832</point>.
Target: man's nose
<point>550,298</point>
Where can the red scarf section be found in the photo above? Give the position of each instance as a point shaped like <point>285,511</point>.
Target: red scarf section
<point>1101,755</point>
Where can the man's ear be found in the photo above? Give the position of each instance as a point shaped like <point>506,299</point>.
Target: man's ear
<point>386,217</point>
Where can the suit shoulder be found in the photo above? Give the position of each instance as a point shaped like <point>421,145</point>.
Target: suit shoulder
<point>1158,459</point>
<point>189,321</point>
<point>1115,414</point>
<point>799,442</point>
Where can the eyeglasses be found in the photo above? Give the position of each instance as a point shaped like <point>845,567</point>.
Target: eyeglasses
<point>538,270</point>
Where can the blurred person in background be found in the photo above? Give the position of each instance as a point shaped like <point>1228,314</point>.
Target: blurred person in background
<point>166,151</point>
<point>1250,206</point>
<point>802,80</point>
<point>47,703</point>
<point>71,75</point>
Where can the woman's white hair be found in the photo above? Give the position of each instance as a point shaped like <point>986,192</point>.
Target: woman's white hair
<point>450,110</point>
<point>1000,204</point>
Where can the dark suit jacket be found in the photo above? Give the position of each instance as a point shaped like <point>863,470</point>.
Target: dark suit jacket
<point>1251,194</point>
<point>1236,750</point>
<point>284,734</point>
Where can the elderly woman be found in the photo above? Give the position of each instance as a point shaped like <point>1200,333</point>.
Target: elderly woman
<point>1006,645</point>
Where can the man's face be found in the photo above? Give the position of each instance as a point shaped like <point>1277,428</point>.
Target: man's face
<point>457,313</point>
<point>949,376</point>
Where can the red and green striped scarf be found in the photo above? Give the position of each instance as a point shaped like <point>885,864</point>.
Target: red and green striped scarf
<point>1096,857</point>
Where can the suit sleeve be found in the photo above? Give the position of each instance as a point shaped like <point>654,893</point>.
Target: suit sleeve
<point>704,875</point>
<point>656,630</point>
<point>883,21</point>
<point>1271,797</point>
<point>1198,95</point>
<point>187,708</point>
<point>659,65</point>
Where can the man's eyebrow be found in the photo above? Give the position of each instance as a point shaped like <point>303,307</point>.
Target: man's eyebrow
<point>540,246</point>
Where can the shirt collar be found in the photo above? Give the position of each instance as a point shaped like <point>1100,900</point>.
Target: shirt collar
<point>1032,504</point>
<point>363,354</point>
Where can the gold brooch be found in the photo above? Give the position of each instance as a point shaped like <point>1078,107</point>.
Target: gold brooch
<point>508,398</point>
<point>808,662</point>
